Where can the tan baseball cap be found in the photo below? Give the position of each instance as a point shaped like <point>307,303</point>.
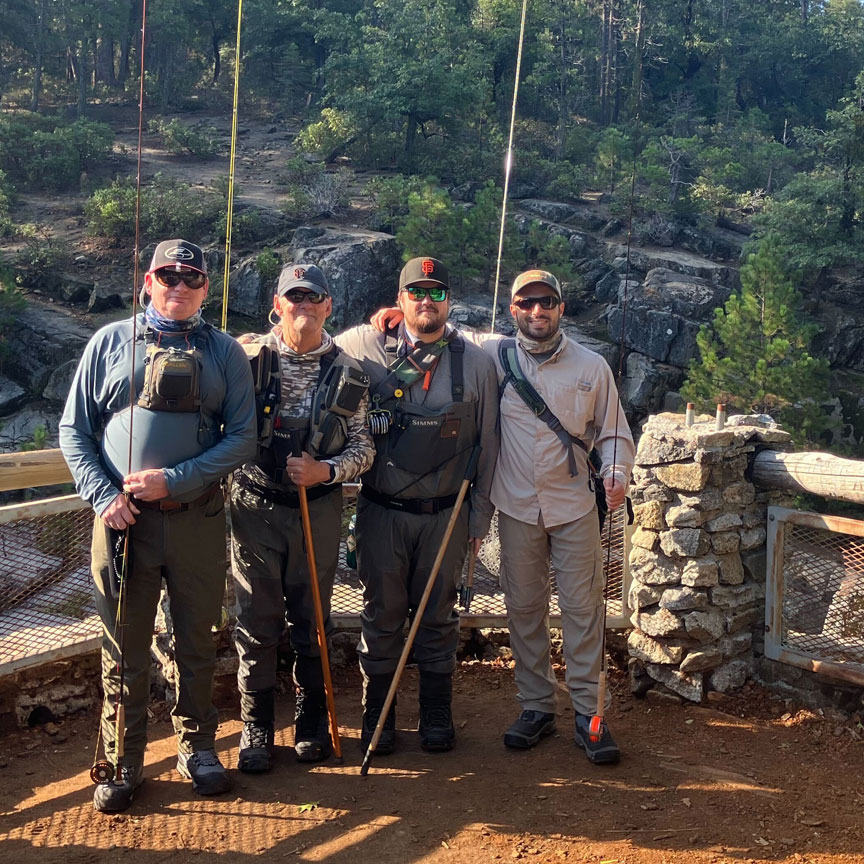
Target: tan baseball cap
<point>534,277</point>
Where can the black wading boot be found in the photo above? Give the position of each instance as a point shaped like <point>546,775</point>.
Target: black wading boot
<point>436,720</point>
<point>311,726</point>
<point>256,740</point>
<point>375,689</point>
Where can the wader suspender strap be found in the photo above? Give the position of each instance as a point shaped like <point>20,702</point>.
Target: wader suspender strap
<point>404,371</point>
<point>509,356</point>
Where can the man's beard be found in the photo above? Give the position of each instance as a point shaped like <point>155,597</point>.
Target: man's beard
<point>427,324</point>
<point>539,345</point>
<point>524,328</point>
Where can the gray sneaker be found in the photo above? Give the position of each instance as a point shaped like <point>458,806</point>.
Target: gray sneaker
<point>206,772</point>
<point>114,797</point>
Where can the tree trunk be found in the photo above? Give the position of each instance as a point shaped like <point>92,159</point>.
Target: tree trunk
<point>36,90</point>
<point>217,60</point>
<point>639,51</point>
<point>616,68</point>
<point>604,62</point>
<point>814,472</point>
<point>563,106</point>
<point>410,140</point>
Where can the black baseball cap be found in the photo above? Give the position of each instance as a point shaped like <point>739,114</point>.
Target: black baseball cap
<point>424,270</point>
<point>302,276</point>
<point>177,255</point>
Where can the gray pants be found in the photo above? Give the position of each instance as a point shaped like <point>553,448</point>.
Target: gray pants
<point>395,554</point>
<point>575,553</point>
<point>187,551</point>
<point>271,580</point>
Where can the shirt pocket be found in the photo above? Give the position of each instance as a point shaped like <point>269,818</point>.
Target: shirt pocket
<point>573,406</point>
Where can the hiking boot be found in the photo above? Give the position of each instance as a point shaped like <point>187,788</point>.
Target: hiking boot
<point>256,748</point>
<point>602,752</point>
<point>311,726</point>
<point>528,729</point>
<point>387,741</point>
<point>114,797</point>
<point>206,772</point>
<point>436,727</point>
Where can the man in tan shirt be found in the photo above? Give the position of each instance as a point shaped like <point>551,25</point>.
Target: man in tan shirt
<point>547,514</point>
<point>547,510</point>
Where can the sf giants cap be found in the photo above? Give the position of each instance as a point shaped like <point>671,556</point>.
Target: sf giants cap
<point>302,276</point>
<point>178,254</point>
<point>535,277</point>
<point>424,270</point>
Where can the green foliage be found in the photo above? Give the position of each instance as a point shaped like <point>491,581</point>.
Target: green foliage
<point>755,356</point>
<point>268,265</point>
<point>6,198</point>
<point>38,441</point>
<point>390,198</point>
<point>613,154</point>
<point>168,209</point>
<point>11,305</point>
<point>199,141</point>
<point>35,157</point>
<point>39,263</point>
<point>334,130</point>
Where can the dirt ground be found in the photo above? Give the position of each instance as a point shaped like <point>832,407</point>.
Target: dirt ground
<point>695,784</point>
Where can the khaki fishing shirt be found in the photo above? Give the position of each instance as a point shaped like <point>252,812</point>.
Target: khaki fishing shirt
<point>532,475</point>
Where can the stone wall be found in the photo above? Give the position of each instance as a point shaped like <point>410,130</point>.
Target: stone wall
<point>698,556</point>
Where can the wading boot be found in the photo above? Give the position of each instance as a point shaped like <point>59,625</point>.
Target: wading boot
<point>528,729</point>
<point>311,726</point>
<point>436,719</point>
<point>374,695</point>
<point>114,797</point>
<point>256,740</point>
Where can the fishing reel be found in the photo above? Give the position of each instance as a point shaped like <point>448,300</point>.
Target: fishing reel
<point>378,419</point>
<point>102,772</point>
<point>595,729</point>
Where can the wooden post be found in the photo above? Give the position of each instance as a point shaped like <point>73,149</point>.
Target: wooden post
<point>816,473</point>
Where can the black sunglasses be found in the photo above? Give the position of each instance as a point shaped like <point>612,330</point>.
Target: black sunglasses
<point>436,294</point>
<point>171,278</point>
<point>297,297</point>
<point>546,302</point>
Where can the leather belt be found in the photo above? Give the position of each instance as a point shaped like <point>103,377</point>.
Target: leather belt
<point>169,505</point>
<point>284,497</point>
<point>428,506</point>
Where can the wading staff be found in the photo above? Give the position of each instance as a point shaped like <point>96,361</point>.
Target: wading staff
<point>319,623</point>
<point>421,607</point>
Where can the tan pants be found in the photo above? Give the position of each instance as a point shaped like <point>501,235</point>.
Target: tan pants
<point>575,553</point>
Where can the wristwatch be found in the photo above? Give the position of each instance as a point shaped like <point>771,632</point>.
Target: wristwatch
<point>332,472</point>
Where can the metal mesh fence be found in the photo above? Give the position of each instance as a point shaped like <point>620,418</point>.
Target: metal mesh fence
<point>823,593</point>
<point>46,600</point>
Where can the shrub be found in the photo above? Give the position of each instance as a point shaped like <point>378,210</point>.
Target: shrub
<point>11,304</point>
<point>6,196</point>
<point>199,141</point>
<point>334,130</point>
<point>168,208</point>
<point>390,198</point>
<point>41,261</point>
<point>314,192</point>
<point>268,265</point>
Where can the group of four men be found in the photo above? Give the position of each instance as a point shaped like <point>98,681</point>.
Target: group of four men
<point>405,404</point>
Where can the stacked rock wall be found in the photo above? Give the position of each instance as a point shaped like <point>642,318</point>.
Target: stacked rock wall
<point>698,554</point>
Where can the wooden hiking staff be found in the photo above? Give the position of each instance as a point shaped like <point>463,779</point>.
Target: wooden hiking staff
<point>421,607</point>
<point>319,624</point>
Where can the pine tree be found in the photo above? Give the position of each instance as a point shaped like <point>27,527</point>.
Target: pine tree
<point>755,355</point>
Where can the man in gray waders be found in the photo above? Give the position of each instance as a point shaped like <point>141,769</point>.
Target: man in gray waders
<point>312,399</point>
<point>192,422</point>
<point>433,399</point>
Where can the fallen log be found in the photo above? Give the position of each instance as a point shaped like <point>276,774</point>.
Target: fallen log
<point>813,472</point>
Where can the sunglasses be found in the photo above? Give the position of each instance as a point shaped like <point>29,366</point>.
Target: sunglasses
<point>526,303</point>
<point>297,297</point>
<point>171,278</point>
<point>417,293</point>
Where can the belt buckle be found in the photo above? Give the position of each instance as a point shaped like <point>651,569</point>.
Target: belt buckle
<point>166,505</point>
<point>427,506</point>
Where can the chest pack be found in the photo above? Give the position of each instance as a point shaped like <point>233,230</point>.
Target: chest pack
<point>408,369</point>
<point>340,388</point>
<point>172,375</point>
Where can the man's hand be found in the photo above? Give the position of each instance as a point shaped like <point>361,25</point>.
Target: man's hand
<point>306,471</point>
<point>614,493</point>
<point>386,319</point>
<point>246,338</point>
<point>120,513</point>
<point>474,544</point>
<point>149,485</point>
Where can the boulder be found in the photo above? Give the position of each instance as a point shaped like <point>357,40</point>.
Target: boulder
<point>730,676</point>
<point>75,288</point>
<point>247,294</point>
<point>19,429</point>
<point>687,685</point>
<point>60,382</point>
<point>665,312</point>
<point>12,395</point>
<point>104,297</point>
<point>44,337</point>
<point>646,382</point>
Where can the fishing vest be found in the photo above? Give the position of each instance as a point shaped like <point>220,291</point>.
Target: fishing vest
<point>425,451</point>
<point>340,388</point>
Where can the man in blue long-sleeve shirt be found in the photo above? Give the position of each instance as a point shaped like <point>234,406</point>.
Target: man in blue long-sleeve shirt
<point>154,463</point>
